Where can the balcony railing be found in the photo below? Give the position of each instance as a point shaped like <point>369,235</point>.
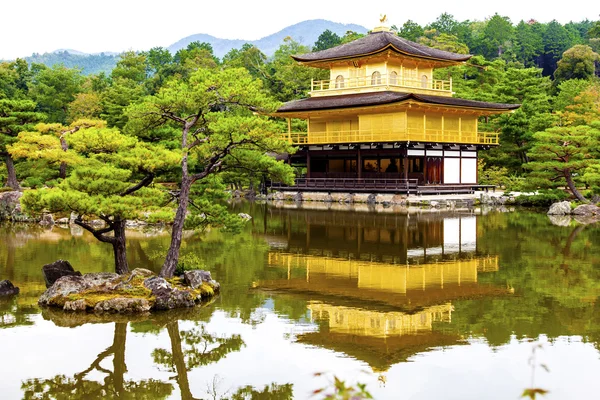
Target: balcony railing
<point>388,82</point>
<point>413,135</point>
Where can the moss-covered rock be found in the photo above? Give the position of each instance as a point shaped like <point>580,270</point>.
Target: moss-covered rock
<point>137,292</point>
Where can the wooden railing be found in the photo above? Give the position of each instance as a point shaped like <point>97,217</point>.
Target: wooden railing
<point>387,81</point>
<point>353,184</point>
<point>413,135</point>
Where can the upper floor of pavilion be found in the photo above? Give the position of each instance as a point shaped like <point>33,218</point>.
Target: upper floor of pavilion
<point>381,61</point>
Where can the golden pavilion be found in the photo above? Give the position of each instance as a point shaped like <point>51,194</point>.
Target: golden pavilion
<point>382,122</point>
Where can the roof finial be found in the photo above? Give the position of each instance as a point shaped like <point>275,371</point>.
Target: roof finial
<point>383,25</point>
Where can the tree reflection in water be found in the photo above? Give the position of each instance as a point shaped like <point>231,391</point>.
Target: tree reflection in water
<point>114,385</point>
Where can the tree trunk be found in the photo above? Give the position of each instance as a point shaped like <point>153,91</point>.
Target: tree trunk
<point>179,360</point>
<point>119,366</point>
<point>119,248</point>
<point>63,166</point>
<point>62,171</point>
<point>572,187</point>
<point>12,181</point>
<point>168,268</point>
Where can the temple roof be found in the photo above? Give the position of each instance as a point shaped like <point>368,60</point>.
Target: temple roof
<point>382,98</point>
<point>376,42</point>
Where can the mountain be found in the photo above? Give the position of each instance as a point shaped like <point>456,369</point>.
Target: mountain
<point>306,32</point>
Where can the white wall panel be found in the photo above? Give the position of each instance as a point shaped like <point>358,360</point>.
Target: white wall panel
<point>451,170</point>
<point>469,170</point>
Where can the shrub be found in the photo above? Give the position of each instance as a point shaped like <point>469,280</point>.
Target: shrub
<point>543,198</point>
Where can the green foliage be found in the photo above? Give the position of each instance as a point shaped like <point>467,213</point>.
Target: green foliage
<point>107,164</point>
<point>273,391</point>
<point>289,80</point>
<point>567,92</point>
<point>443,41</point>
<point>326,40</point>
<point>543,198</point>
<point>556,40</point>
<point>497,37</point>
<point>89,64</point>
<point>53,89</point>
<point>579,62</point>
<point>342,391</point>
<point>563,153</point>
<point>249,57</point>
<point>410,30</point>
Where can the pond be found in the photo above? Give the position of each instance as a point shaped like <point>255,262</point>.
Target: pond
<point>428,305</point>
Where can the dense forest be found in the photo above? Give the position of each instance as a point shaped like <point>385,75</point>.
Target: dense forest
<point>89,64</point>
<point>550,68</point>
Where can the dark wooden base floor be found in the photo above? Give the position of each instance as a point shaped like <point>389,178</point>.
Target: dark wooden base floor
<point>368,185</point>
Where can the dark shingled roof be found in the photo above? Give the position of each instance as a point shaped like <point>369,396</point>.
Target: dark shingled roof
<point>375,42</point>
<point>381,98</point>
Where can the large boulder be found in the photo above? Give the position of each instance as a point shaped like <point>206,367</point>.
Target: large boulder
<point>8,289</point>
<point>56,270</point>
<point>10,206</point>
<point>63,287</point>
<point>560,208</point>
<point>168,297</point>
<point>587,210</point>
<point>196,277</point>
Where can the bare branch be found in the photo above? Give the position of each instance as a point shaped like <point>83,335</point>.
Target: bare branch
<point>144,182</point>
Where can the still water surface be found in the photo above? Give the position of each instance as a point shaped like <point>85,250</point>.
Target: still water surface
<point>419,306</point>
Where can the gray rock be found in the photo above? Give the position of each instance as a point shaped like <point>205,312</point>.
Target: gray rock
<point>62,221</point>
<point>215,285</point>
<point>560,220</point>
<point>63,287</point>
<point>196,277</point>
<point>100,278</point>
<point>52,272</point>
<point>146,273</point>
<point>434,203</point>
<point>244,216</point>
<point>76,230</point>
<point>168,297</point>
<point>587,219</point>
<point>328,198</point>
<point>560,208</point>
<point>297,197</point>
<point>47,220</point>
<point>174,299</point>
<point>587,210</point>
<point>157,283</point>
<point>347,198</point>
<point>10,206</point>
<point>8,289</point>
<point>372,199</point>
<point>123,305</point>
<point>77,305</point>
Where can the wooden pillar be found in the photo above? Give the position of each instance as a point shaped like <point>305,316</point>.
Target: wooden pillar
<point>425,167</point>
<point>359,163</point>
<point>307,163</point>
<point>405,161</point>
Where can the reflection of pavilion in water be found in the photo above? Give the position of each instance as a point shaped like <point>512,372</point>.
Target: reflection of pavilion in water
<point>378,288</point>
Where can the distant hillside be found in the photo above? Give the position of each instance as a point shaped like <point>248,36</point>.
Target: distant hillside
<point>88,63</point>
<point>306,32</point>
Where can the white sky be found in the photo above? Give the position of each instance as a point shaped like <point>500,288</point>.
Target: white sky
<point>28,26</point>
